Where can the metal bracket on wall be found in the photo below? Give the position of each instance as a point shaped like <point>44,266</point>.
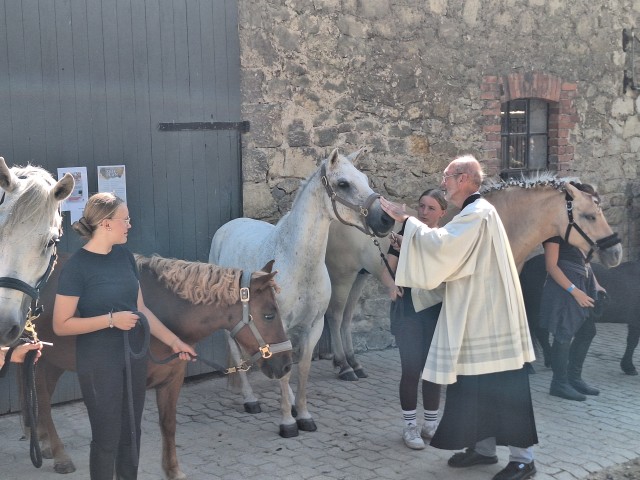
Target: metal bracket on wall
<point>242,127</point>
<point>630,79</point>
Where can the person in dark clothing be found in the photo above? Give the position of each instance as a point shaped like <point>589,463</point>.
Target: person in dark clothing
<point>414,332</point>
<point>98,295</point>
<point>565,310</point>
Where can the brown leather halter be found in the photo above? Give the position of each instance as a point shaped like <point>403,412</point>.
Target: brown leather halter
<point>362,210</point>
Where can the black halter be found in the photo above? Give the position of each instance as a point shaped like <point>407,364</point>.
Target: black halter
<point>363,210</point>
<point>602,244</point>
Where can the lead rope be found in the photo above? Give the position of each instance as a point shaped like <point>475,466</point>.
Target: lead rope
<point>128,355</point>
<point>384,258</point>
<point>31,406</point>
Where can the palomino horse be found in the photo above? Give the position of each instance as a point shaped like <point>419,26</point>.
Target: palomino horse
<point>30,226</point>
<point>532,210</point>
<point>622,306</point>
<point>193,300</point>
<point>335,191</point>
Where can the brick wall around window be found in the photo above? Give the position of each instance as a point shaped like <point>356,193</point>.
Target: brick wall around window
<point>560,94</point>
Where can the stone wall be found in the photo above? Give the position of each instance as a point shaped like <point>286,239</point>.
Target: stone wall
<point>408,79</point>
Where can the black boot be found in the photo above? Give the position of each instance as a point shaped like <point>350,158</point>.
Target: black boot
<point>560,386</point>
<point>577,354</point>
<point>101,463</point>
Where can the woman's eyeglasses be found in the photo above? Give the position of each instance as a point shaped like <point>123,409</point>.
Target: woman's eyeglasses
<point>127,220</point>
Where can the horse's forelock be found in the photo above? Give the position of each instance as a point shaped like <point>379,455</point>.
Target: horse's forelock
<point>196,282</point>
<point>35,204</point>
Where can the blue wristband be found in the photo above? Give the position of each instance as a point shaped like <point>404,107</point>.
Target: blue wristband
<point>571,288</point>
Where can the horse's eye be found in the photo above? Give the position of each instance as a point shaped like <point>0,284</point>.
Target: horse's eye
<point>343,184</point>
<point>269,316</point>
<point>591,218</point>
<point>52,241</point>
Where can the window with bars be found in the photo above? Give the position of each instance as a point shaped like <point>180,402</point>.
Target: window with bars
<point>524,134</point>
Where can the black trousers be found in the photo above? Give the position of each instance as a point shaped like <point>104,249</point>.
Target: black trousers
<point>104,393</point>
<point>414,332</point>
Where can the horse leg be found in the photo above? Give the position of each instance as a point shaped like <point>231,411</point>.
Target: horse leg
<point>347,318</point>
<point>47,376</point>
<point>633,335</point>
<point>240,381</point>
<point>305,420</point>
<point>167,400</point>
<point>335,319</point>
<point>288,426</point>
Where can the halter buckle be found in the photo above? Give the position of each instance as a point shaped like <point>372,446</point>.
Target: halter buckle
<point>364,211</point>
<point>244,294</point>
<point>265,351</point>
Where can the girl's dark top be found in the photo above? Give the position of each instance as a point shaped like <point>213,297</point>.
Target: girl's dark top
<point>103,283</point>
<point>567,252</point>
<point>402,309</point>
<point>559,312</point>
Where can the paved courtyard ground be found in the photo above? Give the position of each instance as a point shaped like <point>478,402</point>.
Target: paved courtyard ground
<point>359,427</point>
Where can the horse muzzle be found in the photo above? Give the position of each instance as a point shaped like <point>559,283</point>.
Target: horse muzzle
<point>610,256</point>
<point>277,365</point>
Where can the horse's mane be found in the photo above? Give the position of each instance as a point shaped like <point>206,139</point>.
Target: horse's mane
<point>196,282</point>
<point>539,179</point>
<point>35,203</point>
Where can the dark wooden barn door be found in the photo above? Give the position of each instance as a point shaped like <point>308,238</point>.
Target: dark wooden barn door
<point>150,84</point>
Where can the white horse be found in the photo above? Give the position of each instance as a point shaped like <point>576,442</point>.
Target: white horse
<point>335,191</point>
<point>30,226</point>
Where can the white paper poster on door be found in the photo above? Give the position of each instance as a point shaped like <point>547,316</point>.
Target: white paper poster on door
<point>113,179</point>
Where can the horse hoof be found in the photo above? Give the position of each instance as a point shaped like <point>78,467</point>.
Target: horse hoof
<point>348,375</point>
<point>628,368</point>
<point>252,407</point>
<point>64,467</point>
<point>289,431</point>
<point>361,373</point>
<point>306,424</point>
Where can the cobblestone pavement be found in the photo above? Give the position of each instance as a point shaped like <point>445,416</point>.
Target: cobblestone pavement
<point>359,426</point>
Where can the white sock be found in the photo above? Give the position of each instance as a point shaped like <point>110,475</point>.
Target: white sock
<point>431,416</point>
<point>410,417</point>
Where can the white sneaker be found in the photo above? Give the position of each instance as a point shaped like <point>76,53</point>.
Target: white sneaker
<point>411,437</point>
<point>428,430</point>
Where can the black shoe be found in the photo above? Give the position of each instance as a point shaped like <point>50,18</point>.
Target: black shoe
<point>564,390</point>
<point>470,457</point>
<point>582,387</point>
<point>516,471</point>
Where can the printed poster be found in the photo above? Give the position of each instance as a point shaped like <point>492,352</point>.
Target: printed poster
<point>113,179</point>
<point>80,194</point>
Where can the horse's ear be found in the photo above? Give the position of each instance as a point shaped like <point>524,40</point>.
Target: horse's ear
<point>333,158</point>
<point>64,187</point>
<point>355,155</point>
<point>8,180</point>
<point>268,267</point>
<point>571,190</point>
<point>266,280</point>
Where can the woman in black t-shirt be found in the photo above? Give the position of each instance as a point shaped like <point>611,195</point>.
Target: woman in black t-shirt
<point>98,293</point>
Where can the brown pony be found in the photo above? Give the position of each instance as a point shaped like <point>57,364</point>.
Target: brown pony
<point>193,300</point>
